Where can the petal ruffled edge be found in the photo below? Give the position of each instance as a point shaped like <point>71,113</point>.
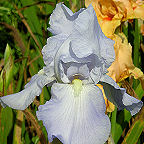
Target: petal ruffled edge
<point>24,98</point>
<point>59,20</point>
<point>87,25</point>
<point>50,49</point>
<point>118,96</point>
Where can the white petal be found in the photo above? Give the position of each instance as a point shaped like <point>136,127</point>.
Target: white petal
<point>62,20</point>
<point>62,55</point>
<point>95,74</point>
<point>59,23</point>
<point>106,49</point>
<point>65,55</point>
<point>72,70</point>
<point>84,70</point>
<point>88,26</point>
<point>23,99</point>
<point>62,77</point>
<point>85,43</point>
<point>50,49</point>
<point>119,97</point>
<point>83,47</point>
<point>74,119</point>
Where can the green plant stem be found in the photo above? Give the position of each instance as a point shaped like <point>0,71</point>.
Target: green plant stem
<point>136,49</point>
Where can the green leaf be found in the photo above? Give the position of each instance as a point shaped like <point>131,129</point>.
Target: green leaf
<point>139,91</point>
<point>30,14</point>
<point>136,49</point>
<point>7,72</point>
<point>35,140</point>
<point>18,128</point>
<point>33,68</point>
<point>7,54</point>
<point>136,129</point>
<point>48,9</point>
<point>122,120</point>
<point>27,138</point>
<point>6,124</point>
<point>135,132</point>
<point>113,122</point>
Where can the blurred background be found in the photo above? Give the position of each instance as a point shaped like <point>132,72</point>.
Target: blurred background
<point>23,33</point>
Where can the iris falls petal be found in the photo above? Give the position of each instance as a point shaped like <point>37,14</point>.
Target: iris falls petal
<point>119,97</point>
<point>24,98</point>
<point>75,114</point>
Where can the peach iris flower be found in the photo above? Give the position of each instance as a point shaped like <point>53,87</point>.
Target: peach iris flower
<point>123,65</point>
<point>111,13</point>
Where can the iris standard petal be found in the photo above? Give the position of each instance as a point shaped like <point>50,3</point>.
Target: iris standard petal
<point>72,69</point>
<point>95,74</point>
<point>62,55</point>
<point>106,50</point>
<point>66,55</point>
<point>83,47</point>
<point>118,96</point>
<point>61,20</point>
<point>93,37</point>
<point>75,118</point>
<point>50,49</point>
<point>24,98</point>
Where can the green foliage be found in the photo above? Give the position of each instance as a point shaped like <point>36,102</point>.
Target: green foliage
<point>6,124</point>
<point>135,132</point>
<point>7,72</point>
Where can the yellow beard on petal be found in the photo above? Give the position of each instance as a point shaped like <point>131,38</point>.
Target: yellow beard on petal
<point>77,86</point>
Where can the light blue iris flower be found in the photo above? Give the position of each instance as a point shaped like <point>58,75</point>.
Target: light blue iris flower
<point>76,59</point>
